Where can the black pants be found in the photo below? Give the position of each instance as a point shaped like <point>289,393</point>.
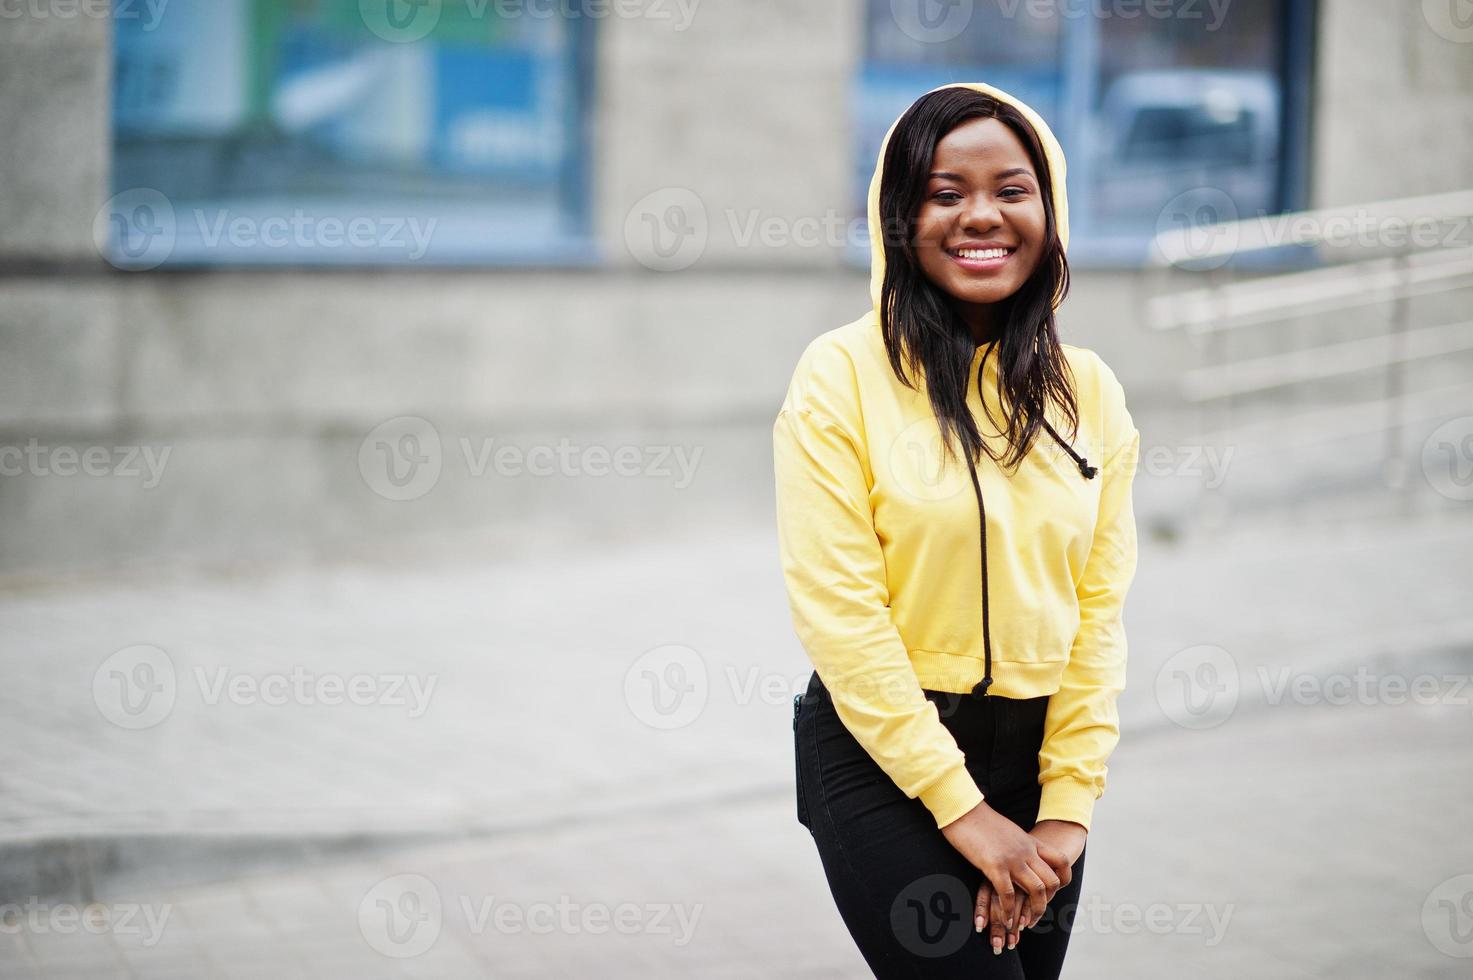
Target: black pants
<point>906,895</point>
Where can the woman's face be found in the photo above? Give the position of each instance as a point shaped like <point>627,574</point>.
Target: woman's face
<point>982,196</point>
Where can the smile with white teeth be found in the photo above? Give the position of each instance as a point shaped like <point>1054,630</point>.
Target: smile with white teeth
<point>980,253</point>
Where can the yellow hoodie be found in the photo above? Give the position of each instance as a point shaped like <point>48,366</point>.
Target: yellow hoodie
<point>898,583</point>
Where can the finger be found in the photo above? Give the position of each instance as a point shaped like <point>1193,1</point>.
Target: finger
<point>1002,885</point>
<point>1059,862</point>
<point>1033,888</point>
<point>1051,883</point>
<point>1019,910</point>
<point>998,917</point>
<point>984,899</point>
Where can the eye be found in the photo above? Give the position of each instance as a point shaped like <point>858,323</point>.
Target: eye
<point>1019,191</point>
<point>946,197</point>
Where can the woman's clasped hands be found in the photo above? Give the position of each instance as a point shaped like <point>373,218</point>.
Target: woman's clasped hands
<point>1023,869</point>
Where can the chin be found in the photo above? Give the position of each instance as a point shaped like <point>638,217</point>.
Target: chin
<point>971,293</point>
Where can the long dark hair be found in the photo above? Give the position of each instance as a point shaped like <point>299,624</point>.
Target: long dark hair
<point>922,328</point>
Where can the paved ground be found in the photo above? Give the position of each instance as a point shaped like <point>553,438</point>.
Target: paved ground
<point>1315,841</point>
<point>527,714</point>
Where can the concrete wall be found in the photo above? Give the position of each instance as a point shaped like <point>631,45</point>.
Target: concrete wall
<point>55,75</point>
<point>264,385</point>
<point>1393,114</point>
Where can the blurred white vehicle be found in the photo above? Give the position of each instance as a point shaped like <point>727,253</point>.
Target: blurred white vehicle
<point>1159,135</point>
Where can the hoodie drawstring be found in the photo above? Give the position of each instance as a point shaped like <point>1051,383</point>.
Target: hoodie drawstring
<point>979,690</point>
<point>1084,467</point>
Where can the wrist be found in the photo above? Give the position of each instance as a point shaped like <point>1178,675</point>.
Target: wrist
<point>1080,828</point>
<point>976,813</point>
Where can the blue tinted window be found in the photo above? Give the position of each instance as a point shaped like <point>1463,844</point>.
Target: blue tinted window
<point>340,131</point>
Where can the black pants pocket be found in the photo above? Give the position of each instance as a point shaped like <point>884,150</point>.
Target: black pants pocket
<point>802,802</point>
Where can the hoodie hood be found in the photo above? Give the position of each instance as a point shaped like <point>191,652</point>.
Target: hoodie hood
<point>1053,154</point>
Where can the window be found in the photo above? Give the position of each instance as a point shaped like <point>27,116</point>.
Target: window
<point>349,131</point>
<point>1165,109</point>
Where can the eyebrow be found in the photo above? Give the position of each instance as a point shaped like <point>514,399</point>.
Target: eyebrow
<point>1014,172</point>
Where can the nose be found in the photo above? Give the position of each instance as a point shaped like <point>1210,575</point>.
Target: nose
<point>982,214</point>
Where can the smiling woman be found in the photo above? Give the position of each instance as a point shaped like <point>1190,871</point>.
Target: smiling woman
<point>980,222</point>
<point>952,741</point>
<point>982,226</point>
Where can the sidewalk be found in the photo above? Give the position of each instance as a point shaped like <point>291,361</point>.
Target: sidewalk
<point>1310,843</point>
<point>214,719</point>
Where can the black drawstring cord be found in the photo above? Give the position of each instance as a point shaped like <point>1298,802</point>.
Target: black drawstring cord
<point>979,690</point>
<point>1084,467</point>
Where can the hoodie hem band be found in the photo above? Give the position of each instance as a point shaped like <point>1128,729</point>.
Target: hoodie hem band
<point>954,674</point>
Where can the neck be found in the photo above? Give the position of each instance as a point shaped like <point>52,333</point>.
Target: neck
<point>981,321</point>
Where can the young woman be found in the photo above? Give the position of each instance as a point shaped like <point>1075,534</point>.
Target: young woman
<point>957,539</point>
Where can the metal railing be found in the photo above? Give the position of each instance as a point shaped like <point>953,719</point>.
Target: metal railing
<point>1431,252</point>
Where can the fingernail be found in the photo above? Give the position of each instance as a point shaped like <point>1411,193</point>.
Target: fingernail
<point>1012,944</point>
<point>981,923</point>
<point>997,947</point>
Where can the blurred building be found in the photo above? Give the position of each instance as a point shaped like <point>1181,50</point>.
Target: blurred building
<point>285,277</point>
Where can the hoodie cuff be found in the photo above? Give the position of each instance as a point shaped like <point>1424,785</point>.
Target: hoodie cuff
<point>1067,799</point>
<point>951,796</point>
